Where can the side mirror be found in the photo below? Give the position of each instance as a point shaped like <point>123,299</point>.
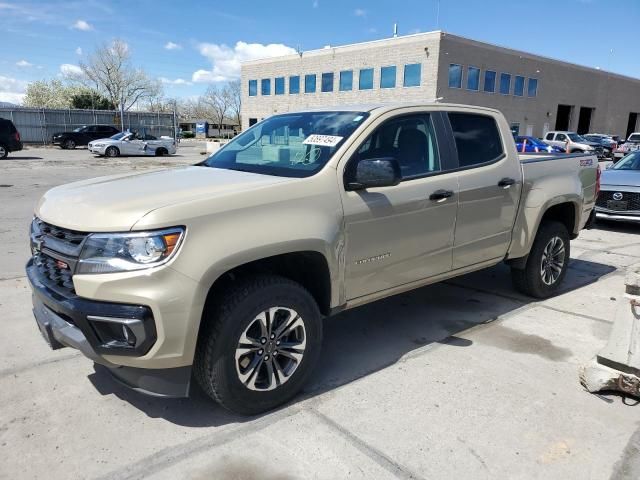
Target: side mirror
<point>373,173</point>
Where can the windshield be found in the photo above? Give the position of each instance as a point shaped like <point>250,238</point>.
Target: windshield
<point>630,162</point>
<point>79,129</point>
<point>288,145</point>
<point>118,136</point>
<point>574,137</point>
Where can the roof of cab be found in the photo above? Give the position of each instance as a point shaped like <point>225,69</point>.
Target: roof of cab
<point>386,107</point>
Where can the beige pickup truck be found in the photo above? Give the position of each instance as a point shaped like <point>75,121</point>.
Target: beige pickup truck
<point>222,271</point>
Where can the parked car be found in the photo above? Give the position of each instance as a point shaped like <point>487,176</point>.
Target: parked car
<point>573,143</point>
<point>132,144</point>
<point>82,135</point>
<point>607,143</point>
<point>223,270</point>
<point>632,144</point>
<point>9,138</point>
<point>527,144</point>
<point>619,198</point>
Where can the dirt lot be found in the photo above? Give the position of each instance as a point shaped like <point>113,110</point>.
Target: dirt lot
<point>465,379</point>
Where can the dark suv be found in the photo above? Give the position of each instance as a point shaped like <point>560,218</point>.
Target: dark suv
<point>83,135</point>
<point>9,138</point>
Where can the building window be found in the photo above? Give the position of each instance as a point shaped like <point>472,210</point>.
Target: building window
<point>518,86</point>
<point>515,128</point>
<point>505,83</point>
<point>412,75</point>
<point>489,81</point>
<point>253,88</point>
<point>279,86</point>
<point>473,78</point>
<point>366,79</point>
<point>532,87</point>
<point>253,121</point>
<point>346,80</point>
<point>327,82</point>
<point>265,86</point>
<point>455,76</point>
<point>294,85</point>
<point>310,83</point>
<point>388,77</point>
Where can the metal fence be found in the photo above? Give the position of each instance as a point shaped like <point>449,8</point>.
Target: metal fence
<point>37,125</point>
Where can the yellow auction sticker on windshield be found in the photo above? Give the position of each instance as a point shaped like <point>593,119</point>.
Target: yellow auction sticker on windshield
<point>322,140</point>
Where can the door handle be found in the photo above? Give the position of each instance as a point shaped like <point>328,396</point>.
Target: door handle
<point>506,182</point>
<point>440,195</point>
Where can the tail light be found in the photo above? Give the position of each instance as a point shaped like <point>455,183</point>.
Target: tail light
<point>16,135</point>
<point>598,174</point>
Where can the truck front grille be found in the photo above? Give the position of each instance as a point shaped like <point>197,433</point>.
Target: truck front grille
<point>53,274</point>
<point>629,201</point>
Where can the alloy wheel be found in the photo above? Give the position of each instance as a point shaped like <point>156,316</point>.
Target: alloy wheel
<point>553,259</point>
<point>270,349</point>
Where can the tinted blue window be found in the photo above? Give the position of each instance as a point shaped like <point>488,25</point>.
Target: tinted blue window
<point>253,88</point>
<point>346,80</point>
<point>505,83</point>
<point>327,82</point>
<point>473,78</point>
<point>455,76</point>
<point>518,86</point>
<point>489,81</point>
<point>265,86</point>
<point>412,75</point>
<point>388,77</point>
<point>532,87</point>
<point>366,79</point>
<point>310,83</point>
<point>294,84</point>
<point>279,86</point>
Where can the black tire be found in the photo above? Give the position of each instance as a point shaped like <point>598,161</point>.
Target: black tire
<point>530,280</point>
<point>69,144</point>
<point>112,152</point>
<point>4,152</point>
<point>215,366</point>
<point>161,152</point>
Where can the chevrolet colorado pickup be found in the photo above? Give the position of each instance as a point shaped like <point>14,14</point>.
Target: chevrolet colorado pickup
<point>222,271</point>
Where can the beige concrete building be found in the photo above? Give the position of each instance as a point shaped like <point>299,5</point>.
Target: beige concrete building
<point>535,93</point>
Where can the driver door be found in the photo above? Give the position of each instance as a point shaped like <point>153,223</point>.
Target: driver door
<point>404,233</point>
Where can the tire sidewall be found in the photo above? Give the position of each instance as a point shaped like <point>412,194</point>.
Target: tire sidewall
<point>111,149</point>
<point>546,233</point>
<point>4,152</point>
<point>289,295</point>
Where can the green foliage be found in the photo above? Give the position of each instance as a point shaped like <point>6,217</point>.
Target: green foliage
<point>188,134</point>
<point>88,100</point>
<point>57,94</point>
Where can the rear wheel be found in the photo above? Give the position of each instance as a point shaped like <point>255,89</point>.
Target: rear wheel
<point>112,152</point>
<point>161,152</point>
<point>259,345</point>
<point>69,144</point>
<point>547,263</point>
<point>3,152</point>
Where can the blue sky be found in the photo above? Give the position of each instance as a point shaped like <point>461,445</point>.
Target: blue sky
<point>190,44</point>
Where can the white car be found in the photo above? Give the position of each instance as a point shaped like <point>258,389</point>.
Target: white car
<point>131,143</point>
<point>572,143</point>
<point>631,145</point>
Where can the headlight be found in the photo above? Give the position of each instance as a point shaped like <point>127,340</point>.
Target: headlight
<point>124,252</point>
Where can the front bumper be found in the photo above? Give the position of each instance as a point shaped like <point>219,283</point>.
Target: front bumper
<point>65,321</point>
<point>620,217</point>
<point>97,150</point>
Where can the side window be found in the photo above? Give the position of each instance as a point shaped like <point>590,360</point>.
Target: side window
<point>477,138</point>
<point>92,129</point>
<point>409,139</point>
<point>549,136</point>
<point>561,137</point>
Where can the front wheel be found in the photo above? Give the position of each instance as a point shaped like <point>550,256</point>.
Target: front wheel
<point>112,152</point>
<point>259,345</point>
<point>547,263</point>
<point>69,145</point>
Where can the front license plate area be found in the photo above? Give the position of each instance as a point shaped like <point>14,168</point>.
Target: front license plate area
<point>617,204</point>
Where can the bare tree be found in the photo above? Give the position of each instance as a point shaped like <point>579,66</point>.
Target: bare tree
<point>109,70</point>
<point>236,98</point>
<point>218,102</point>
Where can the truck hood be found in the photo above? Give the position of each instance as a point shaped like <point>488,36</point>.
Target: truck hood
<point>621,178</point>
<point>117,202</point>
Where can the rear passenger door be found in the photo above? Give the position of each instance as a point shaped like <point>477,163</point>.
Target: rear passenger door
<point>489,182</point>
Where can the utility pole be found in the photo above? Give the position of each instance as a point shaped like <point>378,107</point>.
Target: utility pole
<point>122,111</point>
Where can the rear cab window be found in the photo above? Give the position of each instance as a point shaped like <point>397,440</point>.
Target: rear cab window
<point>477,139</point>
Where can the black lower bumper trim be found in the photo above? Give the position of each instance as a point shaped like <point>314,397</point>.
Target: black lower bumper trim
<point>166,382</point>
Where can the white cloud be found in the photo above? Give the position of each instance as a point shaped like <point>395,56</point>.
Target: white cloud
<point>79,51</point>
<point>173,46</point>
<point>24,63</point>
<point>226,60</point>
<point>69,70</point>
<point>177,81</point>
<point>12,89</point>
<point>82,25</point>
<point>359,12</point>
